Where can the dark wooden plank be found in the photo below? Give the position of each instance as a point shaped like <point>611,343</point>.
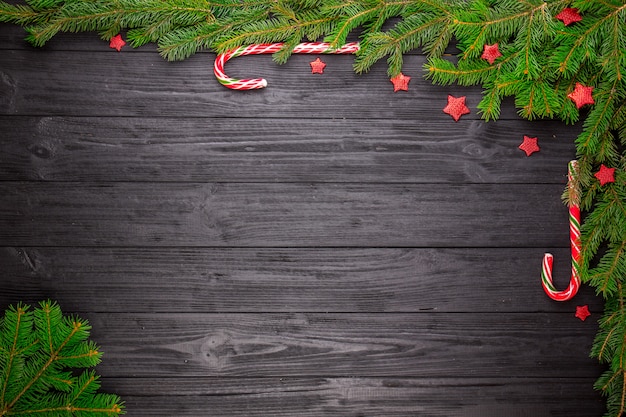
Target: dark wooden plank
<point>12,37</point>
<point>285,280</point>
<point>346,345</point>
<point>269,215</point>
<point>164,149</point>
<point>401,397</point>
<point>117,84</point>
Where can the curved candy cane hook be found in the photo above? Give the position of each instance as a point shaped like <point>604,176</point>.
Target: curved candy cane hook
<point>574,234</point>
<point>270,48</point>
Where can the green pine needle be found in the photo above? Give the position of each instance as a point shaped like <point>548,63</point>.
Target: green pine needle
<point>38,350</point>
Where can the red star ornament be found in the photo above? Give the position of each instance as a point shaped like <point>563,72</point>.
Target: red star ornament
<point>117,42</point>
<point>317,66</point>
<point>529,145</point>
<point>400,82</point>
<point>569,15</point>
<point>456,107</point>
<point>581,95</point>
<point>605,175</point>
<point>491,53</point>
<point>582,312</point>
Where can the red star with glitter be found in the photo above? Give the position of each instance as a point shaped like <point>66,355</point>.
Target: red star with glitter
<point>456,107</point>
<point>529,145</point>
<point>117,42</point>
<point>400,82</point>
<point>317,66</point>
<point>569,15</point>
<point>582,312</point>
<point>581,95</point>
<point>491,53</point>
<point>605,175</point>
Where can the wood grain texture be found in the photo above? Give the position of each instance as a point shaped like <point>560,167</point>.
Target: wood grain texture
<point>266,215</point>
<point>401,397</point>
<point>346,345</point>
<point>324,247</point>
<point>170,280</point>
<point>117,84</point>
<point>253,150</point>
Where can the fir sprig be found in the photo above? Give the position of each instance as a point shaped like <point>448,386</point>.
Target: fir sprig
<point>542,60</point>
<point>609,348</point>
<point>39,349</point>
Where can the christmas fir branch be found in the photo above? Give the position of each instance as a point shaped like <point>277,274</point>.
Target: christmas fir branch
<point>39,349</point>
<point>540,61</point>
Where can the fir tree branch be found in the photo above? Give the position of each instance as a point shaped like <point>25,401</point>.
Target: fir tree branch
<point>109,17</point>
<point>20,313</point>
<point>394,43</point>
<point>271,30</point>
<point>49,310</point>
<point>583,38</point>
<point>359,14</point>
<point>462,26</point>
<point>604,347</point>
<point>113,410</point>
<point>620,369</point>
<point>531,66</point>
<point>609,347</point>
<point>531,9</point>
<point>30,383</point>
<point>50,343</point>
<point>18,14</point>
<point>598,121</point>
<point>606,276</point>
<point>182,43</point>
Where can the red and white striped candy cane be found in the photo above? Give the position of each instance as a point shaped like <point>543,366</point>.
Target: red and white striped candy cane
<point>270,48</point>
<point>574,235</point>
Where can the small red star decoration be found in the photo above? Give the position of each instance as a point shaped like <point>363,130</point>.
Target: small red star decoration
<point>400,82</point>
<point>456,107</point>
<point>117,42</point>
<point>317,66</point>
<point>605,175</point>
<point>581,95</point>
<point>529,145</point>
<point>582,312</point>
<point>569,15</point>
<point>491,53</point>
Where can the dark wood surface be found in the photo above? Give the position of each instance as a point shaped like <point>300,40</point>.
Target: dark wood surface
<point>322,247</point>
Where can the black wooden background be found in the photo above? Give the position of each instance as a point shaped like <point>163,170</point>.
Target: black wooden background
<point>322,247</point>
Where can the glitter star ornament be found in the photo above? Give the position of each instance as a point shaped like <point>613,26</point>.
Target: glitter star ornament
<point>569,15</point>
<point>581,95</point>
<point>491,53</point>
<point>317,66</point>
<point>605,175</point>
<point>529,145</point>
<point>400,82</point>
<point>456,107</point>
<point>582,312</point>
<point>117,42</point>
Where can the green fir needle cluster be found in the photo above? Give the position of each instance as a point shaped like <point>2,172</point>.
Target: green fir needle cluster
<point>39,349</point>
<point>541,61</point>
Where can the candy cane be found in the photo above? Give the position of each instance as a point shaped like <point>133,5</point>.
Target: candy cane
<point>270,48</point>
<point>574,235</point>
